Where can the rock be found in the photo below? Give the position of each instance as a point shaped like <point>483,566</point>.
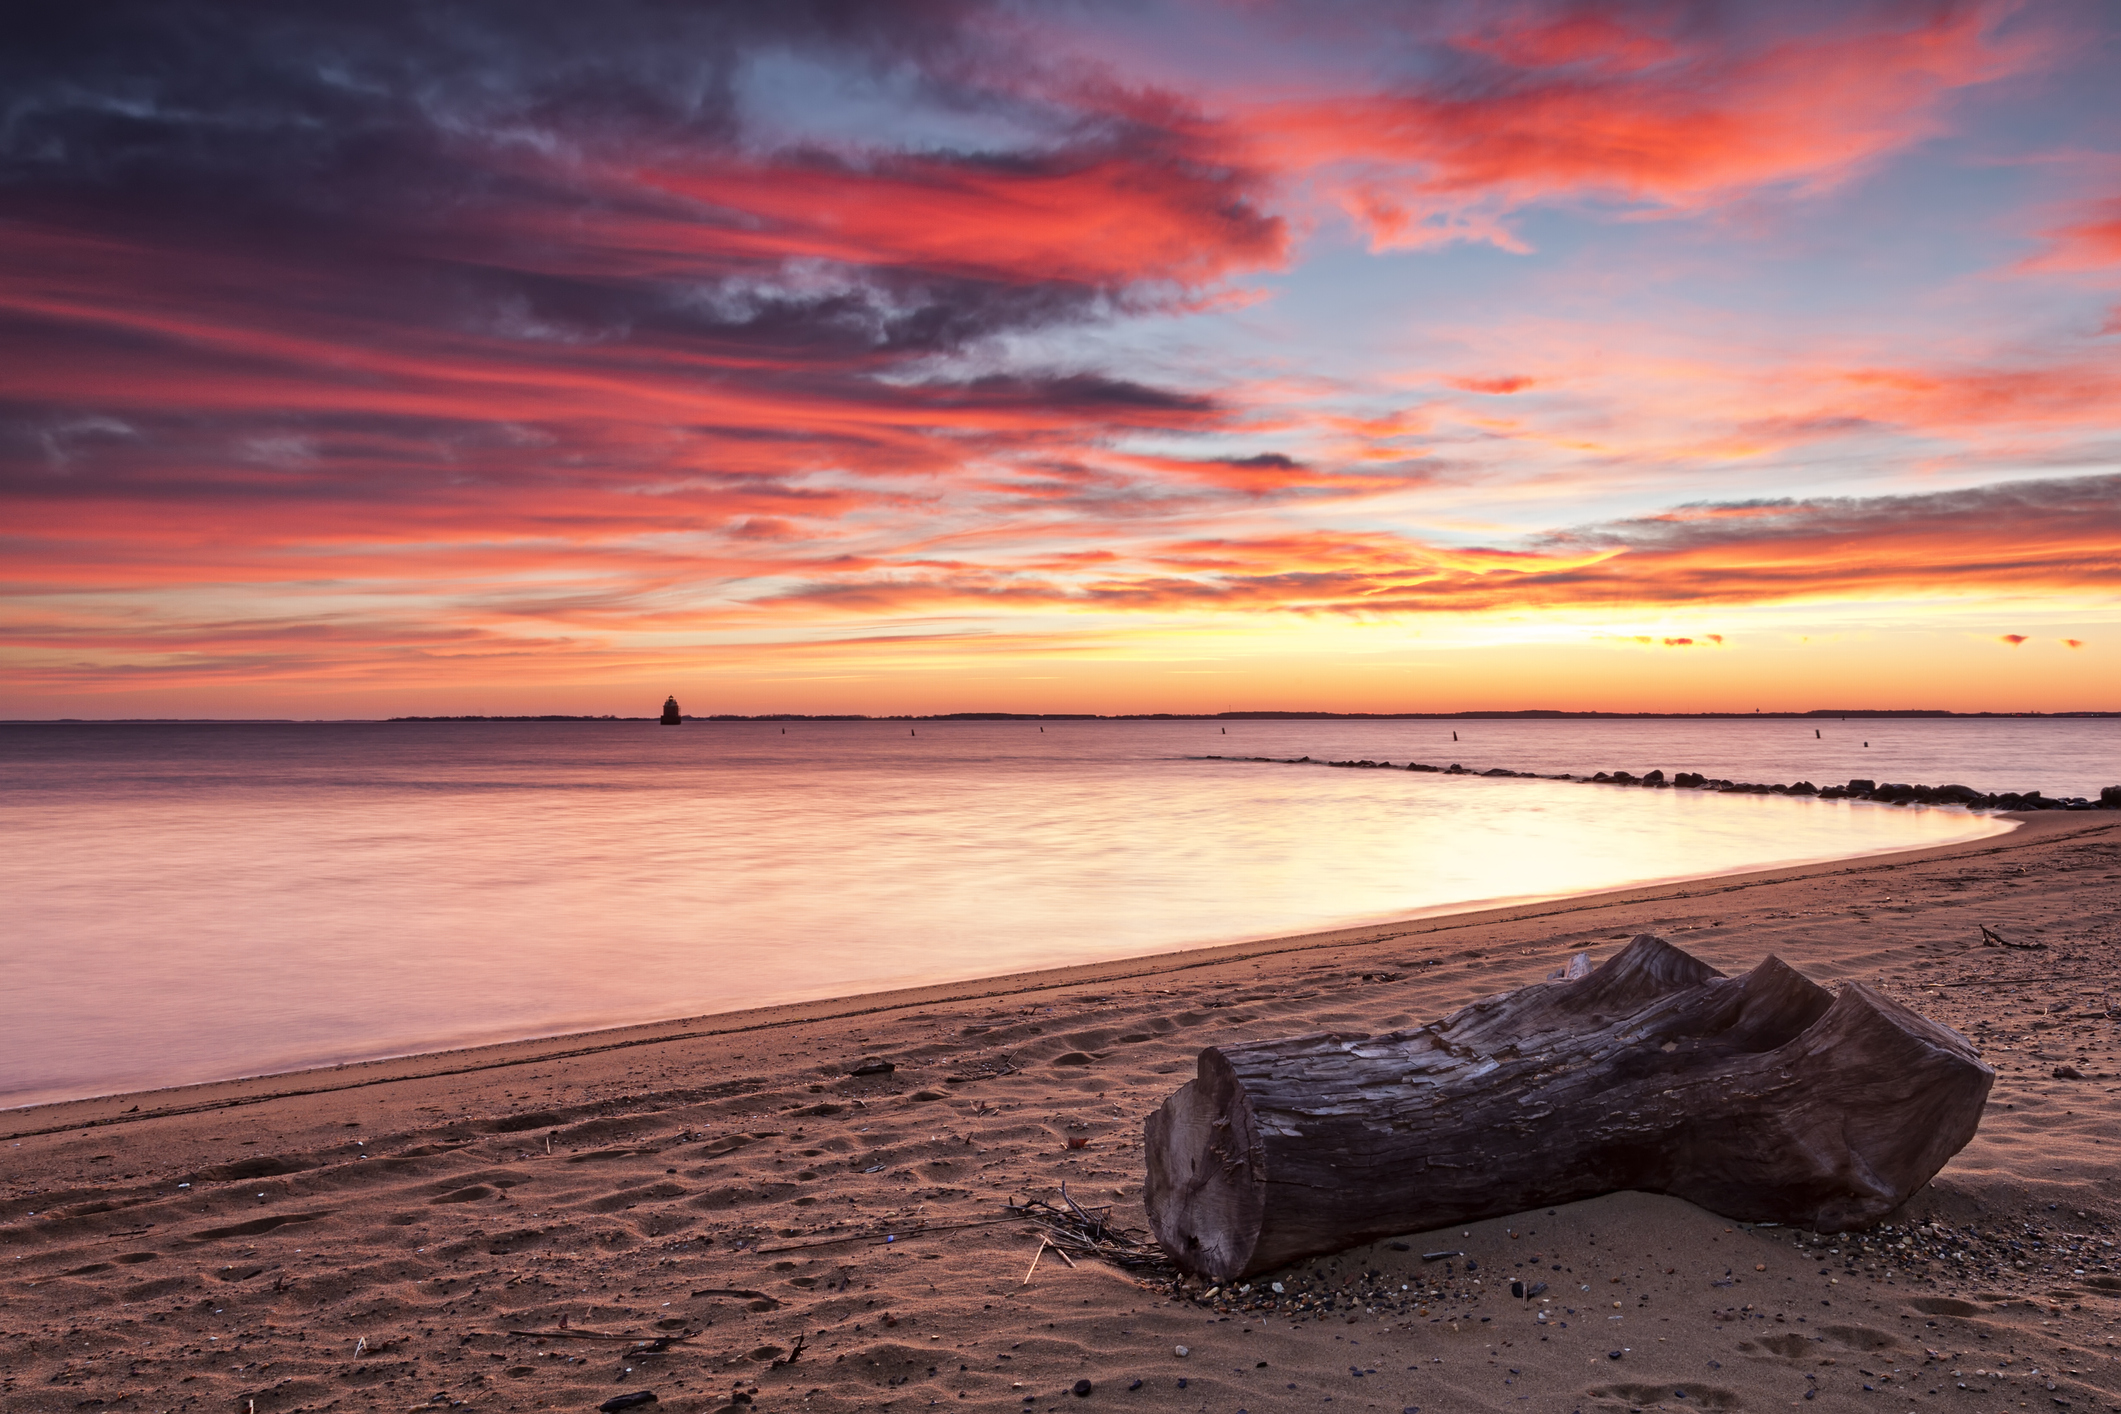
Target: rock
<point>1081,1390</point>
<point>2110,798</point>
<point>1957,794</point>
<point>2068,1072</point>
<point>1180,1351</point>
<point>872,1065</point>
<point>1862,787</point>
<point>1654,778</point>
<point>627,1401</point>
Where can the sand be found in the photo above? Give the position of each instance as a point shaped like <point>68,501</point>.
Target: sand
<point>416,1233</point>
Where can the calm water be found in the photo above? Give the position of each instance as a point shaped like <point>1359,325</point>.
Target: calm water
<point>185,903</point>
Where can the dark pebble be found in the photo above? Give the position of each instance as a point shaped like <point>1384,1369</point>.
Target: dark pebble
<point>1081,1390</point>
<point>1181,1381</point>
<point>627,1401</point>
<point>1136,1385</point>
<point>1612,1355</point>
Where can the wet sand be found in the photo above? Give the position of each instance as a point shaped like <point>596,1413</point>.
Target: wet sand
<point>462,1228</point>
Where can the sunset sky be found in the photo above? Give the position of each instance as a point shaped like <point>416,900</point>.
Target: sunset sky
<point>539,357</point>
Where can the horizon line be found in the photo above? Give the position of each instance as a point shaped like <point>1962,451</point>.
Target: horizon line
<point>1253,714</point>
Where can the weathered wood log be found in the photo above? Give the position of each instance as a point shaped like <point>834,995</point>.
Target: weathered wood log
<point>1763,1097</point>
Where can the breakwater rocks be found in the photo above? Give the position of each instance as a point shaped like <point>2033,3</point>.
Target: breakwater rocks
<point>1889,793</point>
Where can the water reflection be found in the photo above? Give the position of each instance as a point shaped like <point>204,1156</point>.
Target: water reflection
<point>194,903</point>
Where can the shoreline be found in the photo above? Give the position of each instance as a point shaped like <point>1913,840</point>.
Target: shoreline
<point>58,1116</point>
<point>830,1207</point>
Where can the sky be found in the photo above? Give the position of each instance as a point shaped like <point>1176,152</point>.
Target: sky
<point>948,356</point>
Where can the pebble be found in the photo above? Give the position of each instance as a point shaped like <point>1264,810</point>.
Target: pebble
<point>1180,1350</point>
<point>627,1401</point>
<point>1082,1389</point>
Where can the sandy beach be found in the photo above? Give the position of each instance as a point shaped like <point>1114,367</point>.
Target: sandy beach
<point>678,1208</point>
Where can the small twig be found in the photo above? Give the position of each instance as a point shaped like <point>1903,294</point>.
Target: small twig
<point>1062,1253</point>
<point>1042,1246</point>
<point>1088,1221</point>
<point>794,1352</point>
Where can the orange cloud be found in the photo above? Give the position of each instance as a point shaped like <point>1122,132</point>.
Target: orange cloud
<point>2025,537</point>
<point>2092,242</point>
<point>1491,385</point>
<point>2013,639</point>
<point>1108,218</point>
<point>1637,107</point>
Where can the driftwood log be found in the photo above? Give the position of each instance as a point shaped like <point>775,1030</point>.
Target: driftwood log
<point>1763,1097</point>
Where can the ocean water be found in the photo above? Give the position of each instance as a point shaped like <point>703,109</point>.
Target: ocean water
<point>196,902</point>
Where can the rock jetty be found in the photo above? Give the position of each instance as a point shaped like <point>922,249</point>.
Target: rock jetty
<point>1890,793</point>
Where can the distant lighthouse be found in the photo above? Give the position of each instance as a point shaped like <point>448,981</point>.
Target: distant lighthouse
<point>671,716</point>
